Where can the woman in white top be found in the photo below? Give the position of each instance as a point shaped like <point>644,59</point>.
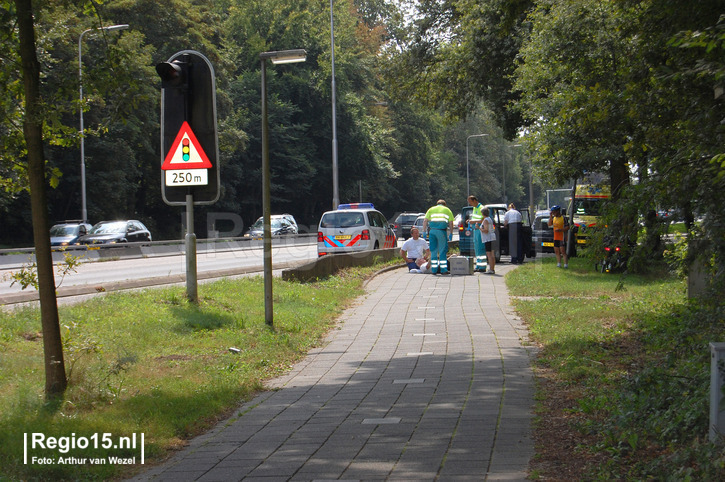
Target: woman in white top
<point>488,236</point>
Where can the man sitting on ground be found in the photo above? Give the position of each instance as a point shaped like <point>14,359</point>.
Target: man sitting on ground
<point>414,248</point>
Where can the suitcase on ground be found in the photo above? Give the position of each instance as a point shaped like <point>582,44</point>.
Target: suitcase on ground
<point>460,265</point>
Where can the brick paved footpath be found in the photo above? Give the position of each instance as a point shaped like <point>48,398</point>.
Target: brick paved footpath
<point>425,378</point>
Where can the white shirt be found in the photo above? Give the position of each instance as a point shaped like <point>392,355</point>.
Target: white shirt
<point>415,248</point>
<point>512,216</point>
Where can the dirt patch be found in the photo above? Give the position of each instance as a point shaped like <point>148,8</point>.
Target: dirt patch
<point>32,336</point>
<point>559,454</point>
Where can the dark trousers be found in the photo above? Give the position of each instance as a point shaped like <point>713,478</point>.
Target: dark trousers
<point>516,242</point>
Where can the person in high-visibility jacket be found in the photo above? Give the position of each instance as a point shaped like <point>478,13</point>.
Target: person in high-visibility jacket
<point>438,221</point>
<point>474,224</point>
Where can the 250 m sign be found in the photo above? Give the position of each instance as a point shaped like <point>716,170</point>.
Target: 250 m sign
<point>187,177</point>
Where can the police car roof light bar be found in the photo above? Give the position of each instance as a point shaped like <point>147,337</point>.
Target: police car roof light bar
<point>356,206</point>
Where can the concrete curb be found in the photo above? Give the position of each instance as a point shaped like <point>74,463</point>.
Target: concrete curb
<point>25,297</point>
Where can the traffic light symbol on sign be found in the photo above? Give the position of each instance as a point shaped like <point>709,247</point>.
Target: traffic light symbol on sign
<point>186,152</point>
<point>185,149</point>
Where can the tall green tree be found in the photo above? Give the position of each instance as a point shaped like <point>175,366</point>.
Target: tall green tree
<point>682,137</point>
<point>459,53</point>
<point>121,94</point>
<point>120,106</point>
<point>301,137</point>
<point>571,80</point>
<point>418,135</point>
<point>633,88</point>
<point>55,379</point>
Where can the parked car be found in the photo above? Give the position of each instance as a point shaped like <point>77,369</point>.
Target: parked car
<point>280,224</point>
<point>403,223</point>
<point>68,232</point>
<point>354,227</point>
<point>108,232</point>
<point>419,224</point>
<point>457,221</point>
<point>501,245</point>
<point>543,234</point>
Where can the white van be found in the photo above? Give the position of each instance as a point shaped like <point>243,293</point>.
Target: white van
<point>354,227</point>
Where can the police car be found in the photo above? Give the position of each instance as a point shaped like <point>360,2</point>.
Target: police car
<point>354,227</point>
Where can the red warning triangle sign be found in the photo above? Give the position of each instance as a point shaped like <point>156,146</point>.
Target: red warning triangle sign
<point>186,152</point>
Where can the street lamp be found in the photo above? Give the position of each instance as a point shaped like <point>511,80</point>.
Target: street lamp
<point>468,180</point>
<point>531,184</point>
<point>84,211</point>
<point>277,57</point>
<point>335,185</point>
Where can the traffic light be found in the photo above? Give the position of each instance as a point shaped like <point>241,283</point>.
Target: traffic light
<point>172,74</point>
<point>188,94</point>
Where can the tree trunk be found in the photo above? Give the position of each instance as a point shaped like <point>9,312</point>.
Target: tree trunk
<point>618,175</point>
<point>625,225</point>
<point>55,379</point>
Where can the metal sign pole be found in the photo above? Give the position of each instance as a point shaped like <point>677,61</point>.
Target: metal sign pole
<point>191,284</point>
<point>266,206</point>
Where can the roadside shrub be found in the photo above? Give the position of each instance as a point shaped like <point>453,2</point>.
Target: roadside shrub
<point>676,255</point>
<point>662,407</point>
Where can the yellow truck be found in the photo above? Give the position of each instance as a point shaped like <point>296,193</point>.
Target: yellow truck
<point>585,208</point>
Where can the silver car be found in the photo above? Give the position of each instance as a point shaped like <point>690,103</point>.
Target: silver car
<point>354,227</point>
<point>419,224</point>
<point>280,224</point>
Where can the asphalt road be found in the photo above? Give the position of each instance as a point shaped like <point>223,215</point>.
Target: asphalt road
<point>104,272</point>
<point>107,275</point>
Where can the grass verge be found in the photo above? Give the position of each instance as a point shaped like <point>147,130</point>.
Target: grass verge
<point>623,371</point>
<point>150,362</point>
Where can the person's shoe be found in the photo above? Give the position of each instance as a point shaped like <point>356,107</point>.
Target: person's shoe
<point>415,271</point>
<point>434,270</point>
<point>490,271</point>
<point>566,266</point>
<point>444,271</point>
<point>558,265</point>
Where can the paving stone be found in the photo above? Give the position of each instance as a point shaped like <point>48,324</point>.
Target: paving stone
<point>408,387</point>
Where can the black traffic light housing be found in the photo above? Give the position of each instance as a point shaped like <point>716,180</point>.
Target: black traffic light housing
<point>172,74</point>
<point>188,94</point>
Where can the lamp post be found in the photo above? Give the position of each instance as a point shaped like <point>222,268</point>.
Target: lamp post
<point>277,57</point>
<point>84,211</point>
<point>335,185</point>
<point>503,180</point>
<point>468,179</point>
<point>531,189</point>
